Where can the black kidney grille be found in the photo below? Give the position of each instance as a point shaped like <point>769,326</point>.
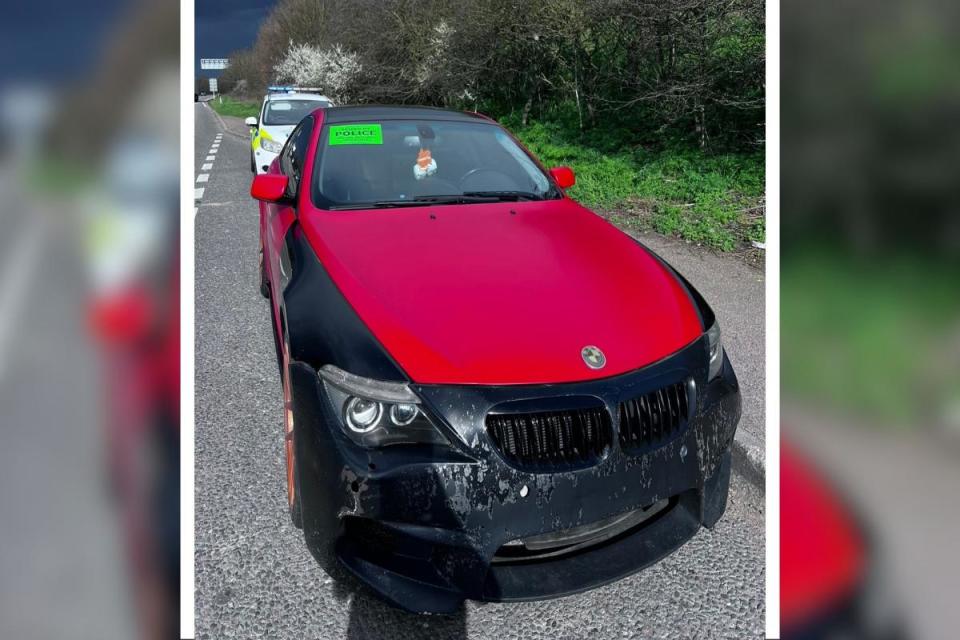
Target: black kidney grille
<point>552,439</point>
<point>653,418</point>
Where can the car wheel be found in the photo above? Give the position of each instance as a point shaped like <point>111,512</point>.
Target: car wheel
<point>264,283</point>
<point>253,163</point>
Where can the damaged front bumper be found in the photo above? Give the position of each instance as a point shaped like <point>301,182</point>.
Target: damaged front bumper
<point>429,526</point>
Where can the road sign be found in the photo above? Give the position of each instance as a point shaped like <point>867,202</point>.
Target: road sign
<point>213,85</point>
<point>214,63</point>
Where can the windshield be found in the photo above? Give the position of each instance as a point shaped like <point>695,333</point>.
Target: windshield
<point>411,162</point>
<point>286,112</point>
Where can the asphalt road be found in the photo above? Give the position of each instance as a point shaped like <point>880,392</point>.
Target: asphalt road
<point>61,559</point>
<point>254,575</point>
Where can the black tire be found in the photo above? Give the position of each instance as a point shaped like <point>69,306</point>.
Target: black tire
<point>264,284</point>
<point>253,163</point>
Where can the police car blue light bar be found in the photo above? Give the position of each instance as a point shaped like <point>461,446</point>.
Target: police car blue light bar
<point>288,89</point>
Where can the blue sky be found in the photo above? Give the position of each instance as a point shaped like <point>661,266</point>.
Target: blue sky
<point>223,26</point>
<point>52,41</point>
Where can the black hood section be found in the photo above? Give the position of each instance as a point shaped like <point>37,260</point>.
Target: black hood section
<point>322,326</point>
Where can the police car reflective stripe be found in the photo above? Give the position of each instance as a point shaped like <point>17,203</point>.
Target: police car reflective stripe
<point>258,134</point>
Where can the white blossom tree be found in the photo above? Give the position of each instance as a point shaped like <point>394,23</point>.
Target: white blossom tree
<point>333,69</point>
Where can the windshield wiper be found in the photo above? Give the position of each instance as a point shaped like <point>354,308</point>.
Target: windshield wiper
<point>504,195</point>
<point>419,201</point>
<point>455,198</point>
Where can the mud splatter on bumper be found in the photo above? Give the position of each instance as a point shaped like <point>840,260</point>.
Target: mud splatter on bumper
<point>422,526</point>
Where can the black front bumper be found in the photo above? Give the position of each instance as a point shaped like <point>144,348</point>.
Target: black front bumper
<point>424,526</point>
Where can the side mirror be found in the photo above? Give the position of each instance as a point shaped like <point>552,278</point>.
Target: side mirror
<point>563,176</point>
<point>269,187</point>
<point>250,122</point>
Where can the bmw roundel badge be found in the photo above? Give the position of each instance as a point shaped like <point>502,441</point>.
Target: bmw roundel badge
<point>593,357</point>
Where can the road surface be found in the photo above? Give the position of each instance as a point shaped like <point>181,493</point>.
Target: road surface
<point>62,571</point>
<point>254,575</point>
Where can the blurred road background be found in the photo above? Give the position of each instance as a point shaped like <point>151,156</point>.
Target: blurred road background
<point>870,266</point>
<point>52,468</point>
<point>255,577</point>
<point>89,121</point>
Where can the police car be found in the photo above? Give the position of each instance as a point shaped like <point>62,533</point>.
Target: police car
<point>282,110</point>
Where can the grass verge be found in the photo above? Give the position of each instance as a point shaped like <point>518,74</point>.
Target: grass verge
<point>879,340</point>
<point>713,200</point>
<point>227,106</point>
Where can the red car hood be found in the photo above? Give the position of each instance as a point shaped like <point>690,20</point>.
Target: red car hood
<point>822,554</point>
<point>505,293</point>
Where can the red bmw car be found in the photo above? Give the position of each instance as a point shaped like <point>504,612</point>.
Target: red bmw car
<point>490,392</point>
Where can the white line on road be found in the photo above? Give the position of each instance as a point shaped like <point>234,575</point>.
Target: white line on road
<point>207,167</point>
<point>17,271</point>
<point>229,203</point>
<point>203,177</point>
<point>210,158</point>
<point>197,194</point>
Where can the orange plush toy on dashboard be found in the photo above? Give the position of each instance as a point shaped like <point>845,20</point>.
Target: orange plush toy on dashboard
<point>426,165</point>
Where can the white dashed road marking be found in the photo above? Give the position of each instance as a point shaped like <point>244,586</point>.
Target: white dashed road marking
<point>205,177</point>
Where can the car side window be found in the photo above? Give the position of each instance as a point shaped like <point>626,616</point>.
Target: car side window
<point>294,155</point>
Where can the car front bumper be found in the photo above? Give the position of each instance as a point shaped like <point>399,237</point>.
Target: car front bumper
<point>426,527</point>
<point>262,159</point>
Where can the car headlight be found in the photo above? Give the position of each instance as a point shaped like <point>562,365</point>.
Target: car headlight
<point>715,351</point>
<point>270,145</point>
<point>374,413</point>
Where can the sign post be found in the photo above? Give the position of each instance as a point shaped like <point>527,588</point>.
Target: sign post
<point>213,85</point>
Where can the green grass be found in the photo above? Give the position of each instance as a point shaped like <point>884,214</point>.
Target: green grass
<point>227,106</point>
<point>55,176</point>
<point>875,340</point>
<point>715,200</point>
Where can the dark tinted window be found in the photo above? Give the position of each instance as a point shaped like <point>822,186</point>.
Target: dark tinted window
<point>294,154</point>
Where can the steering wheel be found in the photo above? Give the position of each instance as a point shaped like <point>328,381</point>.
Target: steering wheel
<point>482,170</point>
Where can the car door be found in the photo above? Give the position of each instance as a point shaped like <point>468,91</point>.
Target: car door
<point>276,218</point>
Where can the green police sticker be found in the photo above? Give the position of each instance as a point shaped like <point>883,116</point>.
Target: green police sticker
<point>355,134</point>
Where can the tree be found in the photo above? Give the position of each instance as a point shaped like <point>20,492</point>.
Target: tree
<point>332,70</point>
